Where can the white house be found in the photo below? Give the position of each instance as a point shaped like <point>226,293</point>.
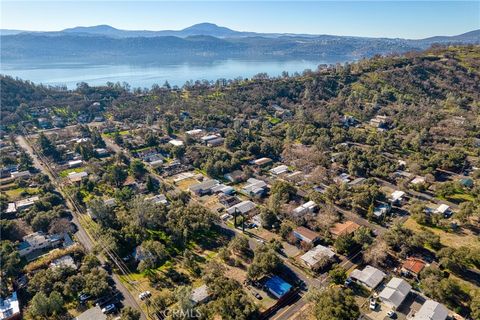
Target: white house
<point>444,210</point>
<point>395,292</point>
<point>176,143</point>
<point>309,206</point>
<point>397,197</point>
<point>242,207</point>
<point>255,187</point>
<point>10,307</point>
<point>278,170</point>
<point>370,276</point>
<point>74,163</point>
<point>36,241</point>
<point>26,203</point>
<point>431,310</point>
<point>317,255</point>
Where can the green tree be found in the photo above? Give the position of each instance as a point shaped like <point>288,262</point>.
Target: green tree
<point>334,303</point>
<point>338,275</point>
<point>128,313</point>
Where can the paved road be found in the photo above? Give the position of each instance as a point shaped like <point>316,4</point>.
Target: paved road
<point>81,235</point>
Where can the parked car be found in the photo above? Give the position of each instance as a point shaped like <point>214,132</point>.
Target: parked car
<point>108,309</point>
<point>84,297</point>
<point>144,295</point>
<point>373,304</point>
<point>391,314</point>
<point>348,281</point>
<point>257,295</point>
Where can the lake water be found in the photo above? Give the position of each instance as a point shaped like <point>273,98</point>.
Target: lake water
<point>144,75</point>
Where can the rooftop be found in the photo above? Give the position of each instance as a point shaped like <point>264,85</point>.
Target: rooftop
<point>277,286</point>
<point>369,276</point>
<point>344,228</point>
<point>414,265</point>
<point>431,310</point>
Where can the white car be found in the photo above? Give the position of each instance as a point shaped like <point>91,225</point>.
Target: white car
<point>373,304</point>
<point>109,308</point>
<point>391,314</point>
<point>145,294</point>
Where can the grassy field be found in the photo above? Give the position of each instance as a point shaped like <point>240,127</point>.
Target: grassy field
<point>65,172</point>
<point>16,194</point>
<point>450,239</point>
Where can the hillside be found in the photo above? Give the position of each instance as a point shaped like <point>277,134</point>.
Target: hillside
<point>202,40</point>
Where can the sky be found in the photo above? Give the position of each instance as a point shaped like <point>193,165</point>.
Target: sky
<point>388,18</point>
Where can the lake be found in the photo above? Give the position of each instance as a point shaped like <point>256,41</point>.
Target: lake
<point>145,75</point>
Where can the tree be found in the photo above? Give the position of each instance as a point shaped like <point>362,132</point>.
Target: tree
<point>137,168</point>
<point>363,236</point>
<point>10,259</point>
<point>240,246</point>
<point>268,218</point>
<point>334,303</point>
<point>25,162</point>
<point>128,313</point>
<point>265,261</point>
<point>152,253</point>
<point>47,147</point>
<point>44,307</point>
<point>338,275</point>
<point>376,254</point>
<point>344,243</point>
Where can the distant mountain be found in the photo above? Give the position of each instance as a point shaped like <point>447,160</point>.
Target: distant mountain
<point>204,40</point>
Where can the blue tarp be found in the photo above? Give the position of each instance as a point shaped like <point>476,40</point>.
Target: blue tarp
<point>277,286</point>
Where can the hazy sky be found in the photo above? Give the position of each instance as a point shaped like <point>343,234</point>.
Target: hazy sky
<point>406,19</point>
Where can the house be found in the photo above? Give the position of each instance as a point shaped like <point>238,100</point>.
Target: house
<point>36,241</point>
<point>417,180</point>
<point>357,182</point>
<point>309,206</point>
<point>444,210</point>
<point>318,256</point>
<point>261,162</point>
<point>413,266</point>
<point>348,227</point>
<point>370,276</point>
<point>221,188</point>
<point>194,132</point>
<point>234,176</point>
<point>255,187</point>
<point>76,176</point>
<point>228,200</point>
<point>204,187</point>
<point>101,152</point>
<point>395,292</point>
<point>21,174</point>
<point>306,235</point>
<point>74,163</point>
<point>466,182</point>
<point>342,178</point>
<point>158,199</point>
<point>207,138</point>
<point>381,210</point>
<point>63,262</point>
<point>216,142</point>
<point>26,203</point>
<point>10,307</point>
<point>278,170</point>
<point>200,295</point>
<point>277,286</point>
<point>397,197</point>
<point>92,313</point>
<point>380,122</point>
<point>155,164</point>
<point>242,207</point>
<point>431,310</point>
<point>176,142</point>
<point>12,208</point>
